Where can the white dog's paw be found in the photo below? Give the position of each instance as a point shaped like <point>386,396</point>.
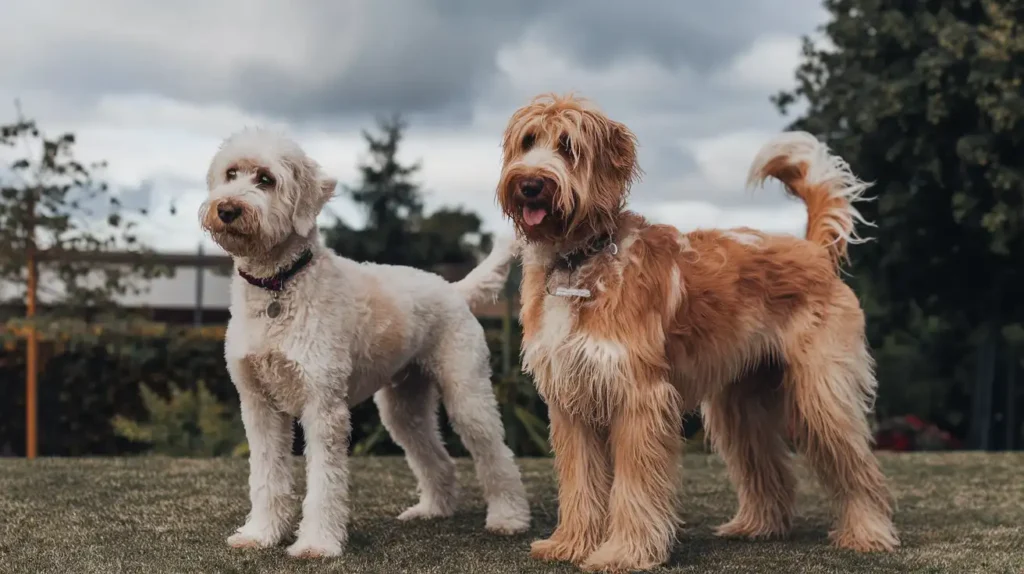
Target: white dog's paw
<point>508,517</point>
<point>319,548</point>
<point>251,536</point>
<point>424,510</point>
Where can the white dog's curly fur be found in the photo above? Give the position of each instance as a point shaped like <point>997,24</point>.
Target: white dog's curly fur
<point>346,331</point>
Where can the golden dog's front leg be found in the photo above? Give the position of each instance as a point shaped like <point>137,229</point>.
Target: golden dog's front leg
<point>584,479</point>
<point>646,445</point>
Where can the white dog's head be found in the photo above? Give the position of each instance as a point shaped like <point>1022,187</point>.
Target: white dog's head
<point>263,189</point>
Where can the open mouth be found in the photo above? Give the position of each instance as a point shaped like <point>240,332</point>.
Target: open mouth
<point>533,215</point>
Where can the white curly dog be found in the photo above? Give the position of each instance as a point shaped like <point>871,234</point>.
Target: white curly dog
<point>312,334</point>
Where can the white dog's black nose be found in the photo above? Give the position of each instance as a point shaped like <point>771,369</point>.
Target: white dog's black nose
<point>228,213</point>
<point>531,187</point>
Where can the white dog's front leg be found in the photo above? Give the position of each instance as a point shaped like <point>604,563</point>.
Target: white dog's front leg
<point>324,527</point>
<point>269,434</point>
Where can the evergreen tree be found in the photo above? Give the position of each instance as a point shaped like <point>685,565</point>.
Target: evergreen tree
<point>397,231</point>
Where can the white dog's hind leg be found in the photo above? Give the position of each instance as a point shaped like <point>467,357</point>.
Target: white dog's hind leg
<point>269,434</point>
<point>327,427</point>
<point>409,413</point>
<point>463,372</point>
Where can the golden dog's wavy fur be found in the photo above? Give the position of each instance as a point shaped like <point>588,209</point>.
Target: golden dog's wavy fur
<point>756,329</point>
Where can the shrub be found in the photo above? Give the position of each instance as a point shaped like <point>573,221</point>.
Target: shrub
<point>189,423</point>
<point>87,377</point>
<point>93,374</point>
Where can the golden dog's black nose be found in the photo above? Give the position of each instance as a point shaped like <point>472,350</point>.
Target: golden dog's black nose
<point>531,187</point>
<point>228,213</point>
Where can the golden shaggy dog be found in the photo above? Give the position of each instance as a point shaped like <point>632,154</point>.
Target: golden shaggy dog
<point>628,324</point>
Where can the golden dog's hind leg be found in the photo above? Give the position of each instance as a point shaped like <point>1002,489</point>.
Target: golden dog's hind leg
<point>646,443</point>
<point>746,424</point>
<point>584,479</point>
<point>831,389</point>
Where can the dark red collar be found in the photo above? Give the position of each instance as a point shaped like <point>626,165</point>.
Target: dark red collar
<point>276,282</point>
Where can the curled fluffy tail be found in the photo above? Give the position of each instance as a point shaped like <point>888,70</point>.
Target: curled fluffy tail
<point>822,180</point>
<point>488,278</point>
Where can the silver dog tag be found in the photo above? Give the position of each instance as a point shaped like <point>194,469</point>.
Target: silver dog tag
<point>274,309</point>
<point>568,292</point>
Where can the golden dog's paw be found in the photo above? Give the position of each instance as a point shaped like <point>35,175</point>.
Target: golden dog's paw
<point>557,550</point>
<point>861,540</point>
<point>742,528</point>
<point>616,557</point>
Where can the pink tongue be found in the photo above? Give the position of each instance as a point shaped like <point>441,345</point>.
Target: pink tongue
<point>533,215</point>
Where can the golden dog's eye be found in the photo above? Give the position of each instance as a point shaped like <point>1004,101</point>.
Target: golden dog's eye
<point>565,144</point>
<point>231,174</point>
<point>528,141</point>
<point>264,180</point>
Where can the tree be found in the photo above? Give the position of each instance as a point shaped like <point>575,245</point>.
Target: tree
<point>55,211</point>
<point>397,231</point>
<point>48,212</point>
<point>925,99</point>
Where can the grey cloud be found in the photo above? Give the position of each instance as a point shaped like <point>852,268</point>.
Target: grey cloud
<point>435,59</point>
<point>671,33</point>
<point>414,56</point>
<point>426,58</point>
<point>422,57</point>
<point>699,35</point>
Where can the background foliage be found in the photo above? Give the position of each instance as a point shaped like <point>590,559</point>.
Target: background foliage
<point>926,99</point>
<point>130,388</point>
<point>51,206</point>
<point>397,230</point>
<point>188,423</point>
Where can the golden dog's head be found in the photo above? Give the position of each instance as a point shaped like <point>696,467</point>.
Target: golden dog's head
<point>566,170</point>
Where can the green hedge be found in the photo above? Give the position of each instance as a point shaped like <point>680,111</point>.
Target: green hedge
<point>91,376</point>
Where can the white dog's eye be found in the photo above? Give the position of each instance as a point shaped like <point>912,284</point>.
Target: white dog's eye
<point>265,180</point>
<point>231,174</point>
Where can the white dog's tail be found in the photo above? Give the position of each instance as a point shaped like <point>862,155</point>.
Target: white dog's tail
<point>822,180</point>
<point>488,278</point>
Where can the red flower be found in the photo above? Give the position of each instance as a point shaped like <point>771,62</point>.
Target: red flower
<point>882,441</point>
<point>914,422</point>
<point>891,440</point>
<point>900,442</point>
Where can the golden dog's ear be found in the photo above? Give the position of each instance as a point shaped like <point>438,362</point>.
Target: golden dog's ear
<point>621,154</point>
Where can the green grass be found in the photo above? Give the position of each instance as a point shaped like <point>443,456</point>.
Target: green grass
<point>961,512</point>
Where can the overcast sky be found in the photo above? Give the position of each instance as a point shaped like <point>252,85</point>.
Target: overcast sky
<point>153,87</point>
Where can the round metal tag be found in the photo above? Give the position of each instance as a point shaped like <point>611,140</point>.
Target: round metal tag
<point>274,309</point>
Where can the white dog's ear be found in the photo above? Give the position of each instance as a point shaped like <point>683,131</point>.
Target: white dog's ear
<point>311,201</point>
<point>327,187</point>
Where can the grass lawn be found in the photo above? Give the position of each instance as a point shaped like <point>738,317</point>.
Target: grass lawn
<point>960,512</point>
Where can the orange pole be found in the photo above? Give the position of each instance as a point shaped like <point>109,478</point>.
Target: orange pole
<point>32,348</point>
